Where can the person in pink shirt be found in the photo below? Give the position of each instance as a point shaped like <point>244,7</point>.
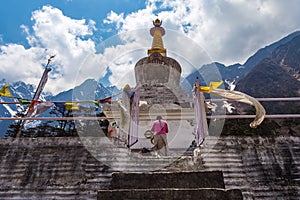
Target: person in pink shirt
<point>160,129</point>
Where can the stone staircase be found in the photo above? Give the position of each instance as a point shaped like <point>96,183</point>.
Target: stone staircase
<point>66,168</point>
<point>49,168</point>
<point>76,168</point>
<point>169,185</point>
<point>263,168</point>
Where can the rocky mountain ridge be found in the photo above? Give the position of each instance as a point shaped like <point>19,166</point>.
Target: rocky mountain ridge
<point>278,75</point>
<point>272,71</point>
<point>232,74</point>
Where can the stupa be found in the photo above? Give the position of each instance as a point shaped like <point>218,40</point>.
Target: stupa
<point>159,75</point>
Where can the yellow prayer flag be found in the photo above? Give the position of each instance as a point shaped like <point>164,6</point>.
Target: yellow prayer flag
<point>5,91</point>
<point>205,89</point>
<point>127,87</point>
<point>211,87</point>
<point>72,106</point>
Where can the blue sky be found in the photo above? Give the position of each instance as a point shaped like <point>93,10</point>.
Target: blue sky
<point>16,12</point>
<point>90,36</point>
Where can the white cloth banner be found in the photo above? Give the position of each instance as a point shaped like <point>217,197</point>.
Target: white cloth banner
<point>244,98</point>
<point>134,117</point>
<point>201,127</point>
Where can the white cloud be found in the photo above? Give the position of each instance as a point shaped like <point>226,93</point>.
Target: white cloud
<point>76,59</point>
<point>65,37</point>
<point>53,33</point>
<point>229,30</point>
<point>18,63</point>
<point>114,17</point>
<point>197,32</point>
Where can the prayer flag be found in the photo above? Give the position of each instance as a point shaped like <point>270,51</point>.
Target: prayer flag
<point>128,91</point>
<point>32,106</point>
<point>125,105</point>
<point>105,100</point>
<point>30,110</point>
<point>38,91</point>
<point>41,107</point>
<point>42,84</point>
<point>36,95</point>
<point>72,106</point>
<point>134,117</point>
<point>5,91</point>
<point>123,112</point>
<point>211,87</point>
<point>24,101</point>
<point>201,129</point>
<point>61,106</point>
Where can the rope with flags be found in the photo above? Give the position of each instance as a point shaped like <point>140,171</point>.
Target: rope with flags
<point>236,96</point>
<point>199,109</point>
<point>37,107</point>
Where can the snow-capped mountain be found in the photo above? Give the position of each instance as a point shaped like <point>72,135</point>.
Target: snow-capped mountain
<point>18,89</point>
<point>88,90</point>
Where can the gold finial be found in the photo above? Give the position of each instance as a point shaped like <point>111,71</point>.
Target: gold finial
<point>157,44</point>
<point>157,23</point>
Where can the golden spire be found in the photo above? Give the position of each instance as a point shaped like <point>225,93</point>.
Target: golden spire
<point>157,44</point>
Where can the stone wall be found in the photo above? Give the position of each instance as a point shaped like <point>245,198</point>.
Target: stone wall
<point>49,168</point>
<point>173,97</point>
<point>262,167</point>
<point>64,168</point>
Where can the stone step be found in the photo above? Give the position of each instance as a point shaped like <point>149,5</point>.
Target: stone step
<point>221,160</point>
<point>254,159</point>
<point>220,154</point>
<point>224,168</point>
<point>21,170</point>
<point>166,193</point>
<point>199,179</point>
<point>267,169</point>
<point>206,152</point>
<point>244,171</point>
<point>236,183</point>
<point>98,179</point>
<point>42,193</point>
<point>270,193</point>
<point>124,162</point>
<point>231,174</point>
<point>45,164</point>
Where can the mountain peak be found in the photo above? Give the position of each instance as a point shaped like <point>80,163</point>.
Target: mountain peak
<point>267,50</point>
<point>90,89</point>
<point>278,75</point>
